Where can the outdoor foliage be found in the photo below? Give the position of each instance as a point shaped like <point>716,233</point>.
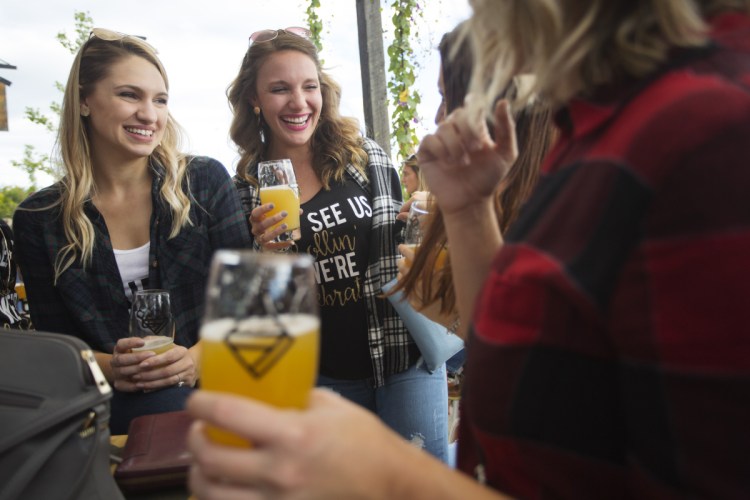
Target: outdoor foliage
<point>314,24</point>
<point>401,84</point>
<point>401,68</point>
<point>34,162</point>
<point>10,197</point>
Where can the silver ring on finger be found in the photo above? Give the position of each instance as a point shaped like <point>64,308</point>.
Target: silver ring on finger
<point>180,382</point>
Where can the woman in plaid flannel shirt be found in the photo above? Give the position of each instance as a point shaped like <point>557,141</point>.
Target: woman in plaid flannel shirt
<point>608,348</point>
<point>131,212</point>
<point>285,106</point>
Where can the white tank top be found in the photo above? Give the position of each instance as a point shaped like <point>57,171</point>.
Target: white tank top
<point>133,266</point>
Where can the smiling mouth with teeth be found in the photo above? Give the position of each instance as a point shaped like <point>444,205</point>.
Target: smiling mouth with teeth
<point>140,131</point>
<point>297,121</point>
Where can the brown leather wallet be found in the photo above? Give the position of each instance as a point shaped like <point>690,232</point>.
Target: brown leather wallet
<point>155,455</point>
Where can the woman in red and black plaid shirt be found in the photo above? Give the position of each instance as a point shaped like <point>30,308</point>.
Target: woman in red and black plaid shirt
<point>608,353</point>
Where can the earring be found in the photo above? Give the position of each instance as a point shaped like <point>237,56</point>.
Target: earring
<point>85,111</point>
<point>256,110</point>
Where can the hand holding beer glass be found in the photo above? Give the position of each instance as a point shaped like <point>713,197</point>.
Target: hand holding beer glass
<point>260,332</point>
<point>151,319</point>
<point>278,185</point>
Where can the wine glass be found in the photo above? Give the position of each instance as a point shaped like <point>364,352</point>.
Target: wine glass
<point>278,185</point>
<point>261,329</point>
<point>416,222</point>
<point>151,319</point>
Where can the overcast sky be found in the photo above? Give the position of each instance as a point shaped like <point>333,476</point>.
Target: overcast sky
<point>201,44</point>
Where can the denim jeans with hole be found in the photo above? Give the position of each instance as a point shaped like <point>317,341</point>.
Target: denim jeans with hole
<point>414,403</point>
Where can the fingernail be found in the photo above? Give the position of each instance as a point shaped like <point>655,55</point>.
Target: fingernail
<point>283,226</point>
<point>284,213</point>
<point>271,206</point>
<point>136,377</point>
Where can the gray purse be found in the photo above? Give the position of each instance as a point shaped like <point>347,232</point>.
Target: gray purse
<point>54,419</point>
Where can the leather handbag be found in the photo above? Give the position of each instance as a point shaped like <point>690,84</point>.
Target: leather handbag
<point>54,419</point>
<point>155,455</point>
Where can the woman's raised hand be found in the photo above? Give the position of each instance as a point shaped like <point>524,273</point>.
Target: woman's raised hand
<point>461,161</point>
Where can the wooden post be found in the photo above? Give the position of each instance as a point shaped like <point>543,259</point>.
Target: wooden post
<point>3,103</point>
<point>372,64</point>
<point>3,108</point>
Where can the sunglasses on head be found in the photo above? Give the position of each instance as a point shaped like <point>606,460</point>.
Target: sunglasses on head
<point>268,35</point>
<point>114,36</point>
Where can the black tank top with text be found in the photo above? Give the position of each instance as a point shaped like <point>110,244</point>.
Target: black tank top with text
<point>335,228</point>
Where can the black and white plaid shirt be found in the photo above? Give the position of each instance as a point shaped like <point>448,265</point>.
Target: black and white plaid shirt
<point>392,349</point>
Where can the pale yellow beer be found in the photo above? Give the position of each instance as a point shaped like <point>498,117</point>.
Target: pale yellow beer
<point>21,291</point>
<point>439,261</point>
<point>283,198</point>
<point>156,343</point>
<point>254,361</point>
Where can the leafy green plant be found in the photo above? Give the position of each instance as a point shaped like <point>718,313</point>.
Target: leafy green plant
<point>32,161</point>
<point>314,24</point>
<point>405,97</point>
<point>10,197</point>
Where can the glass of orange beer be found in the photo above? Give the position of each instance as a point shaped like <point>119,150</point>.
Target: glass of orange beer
<point>260,332</point>
<point>151,319</point>
<point>278,185</point>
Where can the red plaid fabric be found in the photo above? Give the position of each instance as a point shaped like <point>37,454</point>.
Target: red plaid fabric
<point>610,352</point>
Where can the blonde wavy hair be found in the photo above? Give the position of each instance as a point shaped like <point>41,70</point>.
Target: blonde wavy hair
<point>572,46</point>
<point>91,65</point>
<point>412,163</point>
<point>336,141</point>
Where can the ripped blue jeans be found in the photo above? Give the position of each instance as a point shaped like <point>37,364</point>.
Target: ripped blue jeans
<point>414,403</point>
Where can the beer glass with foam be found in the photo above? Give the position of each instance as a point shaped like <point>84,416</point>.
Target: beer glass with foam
<point>278,185</point>
<point>151,319</point>
<point>260,332</point>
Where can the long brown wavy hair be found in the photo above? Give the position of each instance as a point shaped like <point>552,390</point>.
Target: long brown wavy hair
<point>535,132</point>
<point>336,141</point>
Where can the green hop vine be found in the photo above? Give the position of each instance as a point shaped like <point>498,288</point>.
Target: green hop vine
<point>314,24</point>
<point>406,97</point>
